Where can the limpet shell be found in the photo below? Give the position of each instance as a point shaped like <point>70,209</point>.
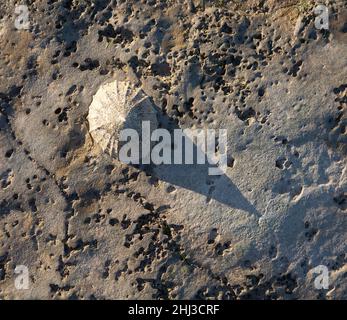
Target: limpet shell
<point>118,105</point>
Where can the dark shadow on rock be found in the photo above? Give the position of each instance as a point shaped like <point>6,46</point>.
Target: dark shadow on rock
<point>195,177</point>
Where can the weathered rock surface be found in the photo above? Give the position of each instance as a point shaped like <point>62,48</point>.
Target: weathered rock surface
<point>87,226</point>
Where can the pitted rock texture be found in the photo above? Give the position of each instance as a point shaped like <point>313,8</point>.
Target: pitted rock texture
<point>89,227</point>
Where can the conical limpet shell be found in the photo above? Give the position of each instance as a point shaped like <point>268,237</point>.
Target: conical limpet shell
<point>118,105</point>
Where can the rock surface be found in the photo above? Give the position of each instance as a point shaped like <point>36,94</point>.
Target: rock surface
<point>89,227</point>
